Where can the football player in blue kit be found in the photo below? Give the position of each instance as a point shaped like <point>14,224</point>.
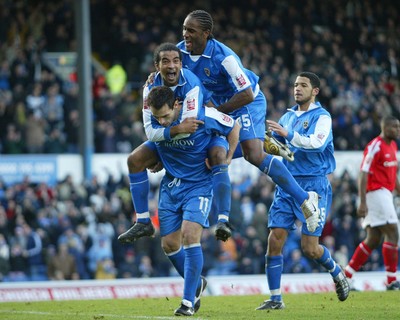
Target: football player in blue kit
<point>307,127</point>
<point>189,90</point>
<point>235,91</point>
<point>186,189</point>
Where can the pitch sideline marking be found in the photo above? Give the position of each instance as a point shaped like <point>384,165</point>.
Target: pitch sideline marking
<point>87,314</point>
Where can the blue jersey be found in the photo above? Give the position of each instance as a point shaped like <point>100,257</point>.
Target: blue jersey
<point>190,93</point>
<point>222,73</point>
<point>310,138</point>
<point>185,158</point>
<point>220,70</point>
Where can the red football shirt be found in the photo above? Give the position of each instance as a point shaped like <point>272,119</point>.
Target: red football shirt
<point>380,161</point>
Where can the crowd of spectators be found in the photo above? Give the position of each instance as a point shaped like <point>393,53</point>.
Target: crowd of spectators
<point>353,46</point>
<point>69,231</point>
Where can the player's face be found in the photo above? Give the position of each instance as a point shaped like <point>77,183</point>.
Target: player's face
<point>169,66</point>
<point>303,91</point>
<point>195,38</point>
<point>392,130</point>
<point>165,115</point>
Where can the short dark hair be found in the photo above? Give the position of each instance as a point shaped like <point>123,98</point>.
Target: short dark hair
<point>166,46</point>
<point>387,119</point>
<point>205,20</point>
<point>314,79</point>
<point>159,96</point>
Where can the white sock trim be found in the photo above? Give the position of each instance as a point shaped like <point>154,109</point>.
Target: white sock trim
<point>144,215</point>
<point>350,270</point>
<point>193,245</point>
<point>391,274</point>
<point>276,292</point>
<point>172,253</point>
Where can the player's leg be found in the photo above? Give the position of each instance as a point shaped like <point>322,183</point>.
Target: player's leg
<point>252,134</point>
<point>272,166</point>
<point>185,206</point>
<point>391,237</point>
<point>380,212</point>
<point>280,221</point>
<point>274,268</point>
<point>197,198</point>
<point>253,152</point>
<point>390,254</point>
<point>143,157</point>
<point>221,186</point>
<point>363,251</point>
<point>310,240</point>
<point>171,221</point>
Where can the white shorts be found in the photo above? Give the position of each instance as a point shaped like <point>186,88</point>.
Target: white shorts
<point>381,209</point>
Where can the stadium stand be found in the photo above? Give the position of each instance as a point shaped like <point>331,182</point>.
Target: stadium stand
<point>353,46</point>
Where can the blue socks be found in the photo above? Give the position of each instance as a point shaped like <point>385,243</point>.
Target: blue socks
<point>328,263</point>
<point>193,268</point>
<point>283,178</point>
<point>140,187</point>
<point>222,191</point>
<point>273,270</point>
<point>177,259</point>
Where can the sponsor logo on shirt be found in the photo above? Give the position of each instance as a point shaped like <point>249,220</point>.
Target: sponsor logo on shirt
<point>226,118</point>
<point>179,143</point>
<point>240,80</point>
<point>191,104</point>
<point>320,136</point>
<point>390,163</point>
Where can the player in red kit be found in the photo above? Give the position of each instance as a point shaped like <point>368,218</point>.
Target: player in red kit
<point>378,179</point>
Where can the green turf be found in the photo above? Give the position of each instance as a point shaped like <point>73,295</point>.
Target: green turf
<point>360,305</point>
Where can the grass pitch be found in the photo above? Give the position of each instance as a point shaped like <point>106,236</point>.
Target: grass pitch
<point>359,306</point>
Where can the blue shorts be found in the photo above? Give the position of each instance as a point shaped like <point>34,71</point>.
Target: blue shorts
<point>219,141</point>
<point>151,145</point>
<point>252,119</point>
<point>285,210</point>
<point>182,200</point>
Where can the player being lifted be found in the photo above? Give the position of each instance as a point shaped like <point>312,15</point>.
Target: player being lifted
<point>235,91</point>
<point>189,91</point>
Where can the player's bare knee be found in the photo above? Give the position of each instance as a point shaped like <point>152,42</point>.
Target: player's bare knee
<point>276,240</point>
<point>170,246</point>
<point>217,156</point>
<point>311,252</point>
<point>134,163</point>
<point>254,158</point>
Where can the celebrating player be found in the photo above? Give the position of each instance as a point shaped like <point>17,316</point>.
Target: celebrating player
<point>191,94</point>
<point>186,189</point>
<point>235,91</point>
<point>308,128</point>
